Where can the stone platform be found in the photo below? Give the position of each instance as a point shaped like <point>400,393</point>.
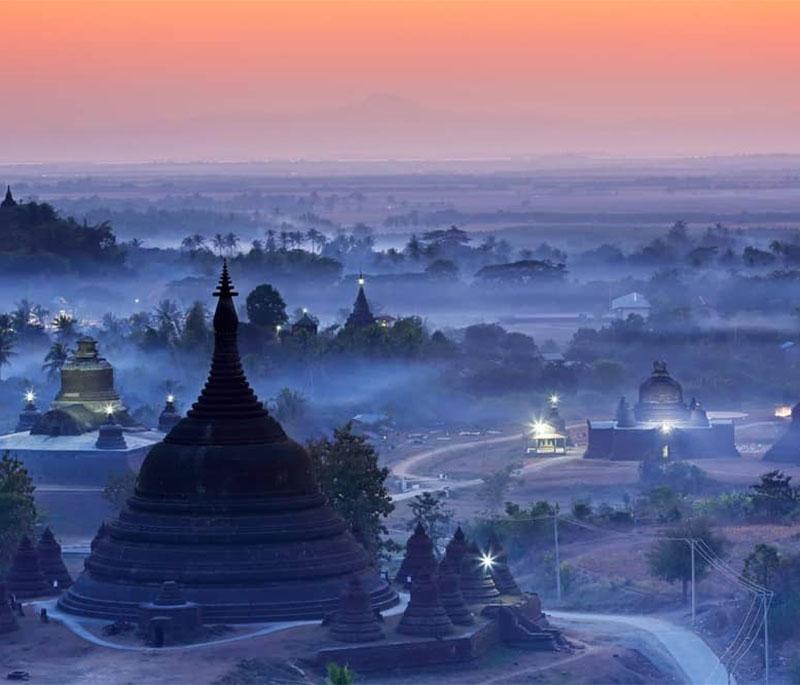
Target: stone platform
<point>397,651</point>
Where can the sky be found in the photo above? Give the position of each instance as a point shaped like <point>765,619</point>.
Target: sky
<point>187,80</point>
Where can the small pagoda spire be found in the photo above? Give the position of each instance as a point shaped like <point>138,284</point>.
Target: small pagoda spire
<point>456,549</point>
<point>25,579</point>
<point>30,414</point>
<point>499,569</point>
<point>109,435</point>
<point>169,415</point>
<point>51,561</point>
<point>361,316</point>
<point>355,621</point>
<point>477,584</point>
<point>425,616</point>
<point>9,200</point>
<point>419,557</point>
<point>452,600</point>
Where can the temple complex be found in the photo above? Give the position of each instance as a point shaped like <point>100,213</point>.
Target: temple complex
<point>787,447</point>
<point>25,579</point>
<point>661,425</point>
<point>87,434</point>
<point>361,316</point>
<point>51,562</point>
<point>227,506</point>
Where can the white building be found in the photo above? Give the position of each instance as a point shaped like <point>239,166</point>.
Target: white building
<point>632,303</point>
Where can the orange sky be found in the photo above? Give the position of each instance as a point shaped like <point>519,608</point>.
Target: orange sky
<point>179,79</point>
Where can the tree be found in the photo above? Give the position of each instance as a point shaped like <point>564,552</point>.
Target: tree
<point>774,496</point>
<point>17,505</point>
<point>290,405</point>
<point>429,510</point>
<point>54,360</point>
<point>443,270</point>
<point>119,488</point>
<point>196,334</point>
<point>671,560</point>
<point>339,675</point>
<point>265,307</point>
<point>66,328</point>
<point>494,486</point>
<point>349,475</point>
<point>8,339</point>
<point>167,315</point>
<point>760,565</point>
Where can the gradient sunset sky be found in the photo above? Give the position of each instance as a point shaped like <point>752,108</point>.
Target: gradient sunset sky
<point>325,79</point>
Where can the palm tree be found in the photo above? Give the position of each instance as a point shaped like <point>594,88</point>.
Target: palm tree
<point>54,360</point>
<point>231,242</point>
<point>168,318</point>
<point>219,243</point>
<point>313,236</point>
<point>8,338</point>
<point>271,246</point>
<point>65,326</point>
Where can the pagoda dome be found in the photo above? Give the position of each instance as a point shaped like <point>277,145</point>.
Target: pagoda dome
<point>228,507</point>
<point>661,397</point>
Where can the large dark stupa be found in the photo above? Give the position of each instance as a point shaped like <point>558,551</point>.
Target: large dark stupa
<point>228,507</point>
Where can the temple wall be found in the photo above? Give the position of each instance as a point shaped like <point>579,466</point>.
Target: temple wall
<point>85,467</point>
<point>638,444</point>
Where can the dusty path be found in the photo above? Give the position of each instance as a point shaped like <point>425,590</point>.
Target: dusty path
<point>402,469</point>
<point>694,657</point>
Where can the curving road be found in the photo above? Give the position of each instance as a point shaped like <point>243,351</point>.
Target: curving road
<point>695,658</point>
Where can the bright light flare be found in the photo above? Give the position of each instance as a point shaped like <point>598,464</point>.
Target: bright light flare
<point>361,280</point>
<point>30,396</point>
<point>666,428</point>
<point>170,398</point>
<point>109,409</point>
<point>541,427</point>
<point>487,561</point>
<point>554,400</point>
<point>783,412</point>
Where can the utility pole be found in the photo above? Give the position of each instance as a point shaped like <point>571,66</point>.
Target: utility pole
<point>558,558</point>
<point>691,544</point>
<point>765,599</point>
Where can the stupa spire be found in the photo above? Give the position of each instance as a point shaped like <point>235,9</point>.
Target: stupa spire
<point>361,316</point>
<point>227,397</point>
<point>9,200</point>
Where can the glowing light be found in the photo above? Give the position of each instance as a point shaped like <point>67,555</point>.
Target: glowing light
<point>541,428</point>
<point>783,412</point>
<point>170,398</point>
<point>278,328</point>
<point>554,400</point>
<point>109,409</point>
<point>361,280</point>
<point>30,396</point>
<point>136,300</point>
<point>305,310</point>
<point>666,428</point>
<point>487,561</point>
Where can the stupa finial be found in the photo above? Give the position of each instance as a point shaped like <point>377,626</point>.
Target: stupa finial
<point>225,288</point>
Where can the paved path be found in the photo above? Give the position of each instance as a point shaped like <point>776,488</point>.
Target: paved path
<point>694,657</point>
<point>79,626</point>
